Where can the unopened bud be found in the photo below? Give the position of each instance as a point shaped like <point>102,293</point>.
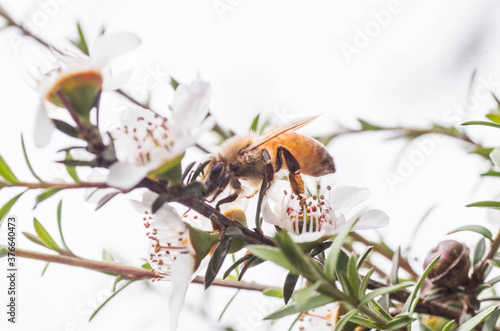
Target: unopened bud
<point>452,269</point>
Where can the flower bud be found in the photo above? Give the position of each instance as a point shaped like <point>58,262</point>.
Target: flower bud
<point>80,89</point>
<point>452,269</point>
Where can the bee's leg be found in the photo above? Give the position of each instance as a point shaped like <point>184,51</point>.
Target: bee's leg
<point>222,187</point>
<point>296,182</point>
<point>228,199</point>
<point>269,169</point>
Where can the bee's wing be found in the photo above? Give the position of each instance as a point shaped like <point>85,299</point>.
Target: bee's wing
<point>273,133</point>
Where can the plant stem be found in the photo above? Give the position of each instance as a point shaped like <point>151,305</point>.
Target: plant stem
<point>128,272</point>
<point>386,252</point>
<point>44,185</point>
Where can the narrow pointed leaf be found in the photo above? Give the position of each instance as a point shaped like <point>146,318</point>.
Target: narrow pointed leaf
<point>331,261</point>
<point>479,251</point>
<point>255,124</point>
<point>216,261</point>
<point>315,301</point>
<point>66,128</point>
<point>35,239</point>
<point>71,170</point>
<point>246,257</point>
<point>273,292</point>
<point>393,277</point>
<point>59,226</point>
<point>227,305</point>
<point>409,302</point>
<point>8,206</point>
<point>273,254</point>
<point>476,320</point>
<point>107,198</point>
<point>448,326</point>
<point>384,290</point>
<point>45,236</point>
<point>475,228</point>
<point>47,194</point>
<point>490,322</point>
<point>6,172</point>
<point>399,322</point>
<point>366,323</point>
<point>108,299</point>
<point>364,255</point>
<point>483,123</point>
<point>289,286</point>
<point>28,161</point>
<point>3,252</point>
<point>251,263</point>
<point>345,319</point>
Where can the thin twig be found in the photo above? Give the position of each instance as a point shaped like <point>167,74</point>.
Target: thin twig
<point>128,272</point>
<point>44,185</point>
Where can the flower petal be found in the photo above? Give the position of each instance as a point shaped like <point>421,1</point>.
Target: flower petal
<point>343,198</point>
<point>113,82</point>
<point>371,219</point>
<point>110,46</point>
<point>191,103</point>
<point>495,156</point>
<point>124,175</point>
<point>182,270</point>
<point>307,236</point>
<point>268,214</point>
<point>43,126</point>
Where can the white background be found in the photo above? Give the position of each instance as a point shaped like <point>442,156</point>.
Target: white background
<point>280,59</point>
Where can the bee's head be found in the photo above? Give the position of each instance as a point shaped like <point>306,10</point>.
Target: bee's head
<point>213,175</point>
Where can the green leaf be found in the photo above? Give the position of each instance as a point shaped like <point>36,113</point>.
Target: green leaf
<point>365,126</point>
<point>490,323</point>
<point>273,292</point>
<point>71,170</point>
<point>108,299</point>
<point>216,261</point>
<point>384,290</point>
<point>28,161</point>
<point>59,226</point>
<point>147,266</point>
<point>35,239</point>
<point>399,322</point>
<point>479,251</point>
<point>409,302</point>
<point>107,257</point>
<point>475,228</point>
<point>364,255</point>
<point>364,282</point>
<point>3,252</point>
<point>448,326</point>
<point>314,301</point>
<point>494,262</point>
<point>227,305</point>
<point>353,276</point>
<point>6,173</point>
<point>476,320</point>
<point>493,117</point>
<point>254,261</point>
<point>393,277</point>
<point>244,258</point>
<point>8,206</point>
<point>366,323</point>
<point>345,319</point>
<point>81,43</point>
<point>106,199</point>
<point>47,194</point>
<point>272,254</point>
<point>198,171</point>
<point>174,83</point>
<point>491,173</point>
<point>45,236</point>
<point>289,286</point>
<point>331,261</point>
<point>255,124</point>
<point>483,151</point>
<point>66,128</point>
<point>45,268</point>
<point>494,125</point>
<point>258,219</point>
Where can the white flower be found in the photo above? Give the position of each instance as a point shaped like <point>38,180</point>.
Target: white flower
<point>323,318</point>
<point>147,141</point>
<point>76,71</point>
<point>170,252</point>
<point>309,218</point>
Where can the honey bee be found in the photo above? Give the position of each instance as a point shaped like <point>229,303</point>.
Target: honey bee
<point>254,158</point>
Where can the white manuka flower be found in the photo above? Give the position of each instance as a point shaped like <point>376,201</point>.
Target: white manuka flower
<point>170,252</point>
<point>81,79</point>
<point>150,144</point>
<point>309,218</point>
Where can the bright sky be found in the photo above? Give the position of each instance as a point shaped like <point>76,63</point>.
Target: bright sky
<point>389,62</point>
